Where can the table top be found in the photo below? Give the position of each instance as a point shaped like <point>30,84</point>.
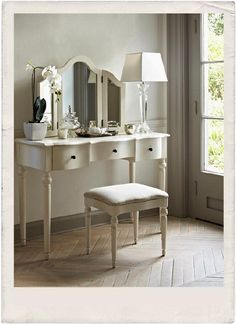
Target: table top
<point>55,141</point>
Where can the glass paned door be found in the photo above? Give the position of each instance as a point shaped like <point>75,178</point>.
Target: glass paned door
<point>212,70</point>
<point>213,129</point>
<point>206,117</point>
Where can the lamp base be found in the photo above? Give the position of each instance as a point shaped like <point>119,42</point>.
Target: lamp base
<point>143,128</point>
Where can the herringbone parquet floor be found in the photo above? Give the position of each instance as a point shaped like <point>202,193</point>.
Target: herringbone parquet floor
<point>194,257</point>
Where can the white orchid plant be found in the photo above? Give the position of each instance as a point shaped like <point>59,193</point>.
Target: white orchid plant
<point>54,79</point>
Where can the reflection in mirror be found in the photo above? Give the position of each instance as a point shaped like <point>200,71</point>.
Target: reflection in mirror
<point>50,114</point>
<point>92,93</point>
<point>113,102</point>
<point>79,91</point>
<point>113,99</point>
<point>45,93</point>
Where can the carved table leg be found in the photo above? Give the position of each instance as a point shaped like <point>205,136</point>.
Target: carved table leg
<point>162,166</point>
<point>22,197</point>
<point>88,228</point>
<point>163,220</point>
<point>47,181</point>
<point>114,222</point>
<point>131,170</point>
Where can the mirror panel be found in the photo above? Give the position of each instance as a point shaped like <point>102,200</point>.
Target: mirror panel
<point>92,93</point>
<point>45,93</point>
<point>113,101</point>
<point>50,114</point>
<point>79,91</point>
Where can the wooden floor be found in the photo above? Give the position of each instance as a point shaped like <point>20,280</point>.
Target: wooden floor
<point>194,257</point>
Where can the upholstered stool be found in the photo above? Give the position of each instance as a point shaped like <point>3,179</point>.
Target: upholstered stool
<point>119,199</point>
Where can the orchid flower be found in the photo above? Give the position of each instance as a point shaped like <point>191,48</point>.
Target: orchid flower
<point>54,79</point>
<point>29,67</point>
<point>50,74</point>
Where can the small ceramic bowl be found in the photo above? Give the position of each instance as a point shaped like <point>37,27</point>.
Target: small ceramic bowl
<point>129,129</point>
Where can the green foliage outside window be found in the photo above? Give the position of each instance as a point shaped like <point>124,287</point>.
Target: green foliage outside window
<point>216,23</point>
<point>216,145</point>
<point>215,107</point>
<point>216,82</point>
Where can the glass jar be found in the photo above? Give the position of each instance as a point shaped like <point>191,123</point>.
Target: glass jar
<point>69,122</point>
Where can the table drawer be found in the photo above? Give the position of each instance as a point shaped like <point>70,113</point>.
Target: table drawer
<point>35,157</point>
<point>70,157</point>
<point>149,148</point>
<point>112,150</point>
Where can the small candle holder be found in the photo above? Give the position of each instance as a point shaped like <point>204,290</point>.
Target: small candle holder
<point>130,129</point>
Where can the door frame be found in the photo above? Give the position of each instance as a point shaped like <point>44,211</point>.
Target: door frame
<point>205,188</point>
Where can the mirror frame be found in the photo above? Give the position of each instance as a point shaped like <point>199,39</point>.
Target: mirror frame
<point>105,76</point>
<point>102,95</point>
<point>86,60</point>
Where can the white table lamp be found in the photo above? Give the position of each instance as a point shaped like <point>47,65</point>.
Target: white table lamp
<point>143,67</point>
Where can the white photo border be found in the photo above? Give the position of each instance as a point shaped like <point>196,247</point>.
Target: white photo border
<point>113,305</point>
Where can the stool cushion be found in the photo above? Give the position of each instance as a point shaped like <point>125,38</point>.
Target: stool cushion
<point>125,194</point>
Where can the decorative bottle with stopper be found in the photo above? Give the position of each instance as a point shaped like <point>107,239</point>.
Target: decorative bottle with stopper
<point>70,123</point>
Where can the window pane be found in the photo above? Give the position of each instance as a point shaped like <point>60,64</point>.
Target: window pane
<point>213,36</point>
<point>214,145</point>
<point>213,89</point>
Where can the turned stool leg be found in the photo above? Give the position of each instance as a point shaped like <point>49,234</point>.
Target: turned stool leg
<point>88,227</point>
<point>163,219</point>
<point>114,222</point>
<point>136,223</point>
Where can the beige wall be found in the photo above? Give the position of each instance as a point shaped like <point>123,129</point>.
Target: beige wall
<point>47,39</point>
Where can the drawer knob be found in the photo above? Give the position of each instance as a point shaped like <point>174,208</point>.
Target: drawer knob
<point>150,149</point>
<point>115,150</point>
<point>73,157</point>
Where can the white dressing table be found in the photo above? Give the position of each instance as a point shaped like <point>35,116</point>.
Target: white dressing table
<point>53,154</point>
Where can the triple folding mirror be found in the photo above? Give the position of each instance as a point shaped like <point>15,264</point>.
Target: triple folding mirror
<point>92,93</point>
